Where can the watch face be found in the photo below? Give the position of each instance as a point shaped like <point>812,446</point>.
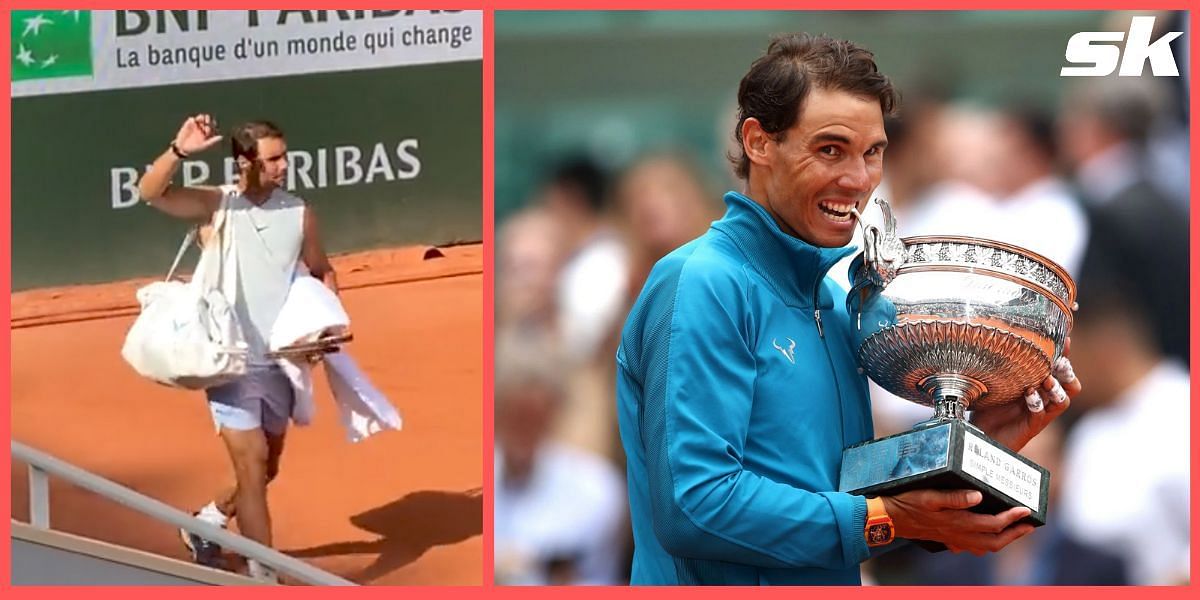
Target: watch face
<point>880,533</point>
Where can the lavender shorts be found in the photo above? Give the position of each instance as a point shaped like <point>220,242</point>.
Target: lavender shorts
<point>262,398</point>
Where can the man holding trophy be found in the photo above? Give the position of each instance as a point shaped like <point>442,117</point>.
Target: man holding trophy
<point>742,370</point>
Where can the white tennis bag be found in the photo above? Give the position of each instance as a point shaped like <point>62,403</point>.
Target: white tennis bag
<point>187,334</point>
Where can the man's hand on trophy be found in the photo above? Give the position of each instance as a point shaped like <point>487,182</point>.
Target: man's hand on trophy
<point>942,516</point>
<point>1016,423</point>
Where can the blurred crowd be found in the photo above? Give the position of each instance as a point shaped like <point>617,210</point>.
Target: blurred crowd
<point>1099,185</point>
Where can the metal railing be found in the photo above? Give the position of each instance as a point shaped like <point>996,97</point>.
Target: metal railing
<point>42,464</point>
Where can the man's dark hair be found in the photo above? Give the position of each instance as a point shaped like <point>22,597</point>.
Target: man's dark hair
<point>583,176</point>
<point>244,141</point>
<point>779,81</point>
<point>1036,124</point>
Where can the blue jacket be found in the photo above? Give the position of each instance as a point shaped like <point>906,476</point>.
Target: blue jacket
<point>737,390</point>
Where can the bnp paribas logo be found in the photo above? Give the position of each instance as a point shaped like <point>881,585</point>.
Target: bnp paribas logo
<point>51,43</point>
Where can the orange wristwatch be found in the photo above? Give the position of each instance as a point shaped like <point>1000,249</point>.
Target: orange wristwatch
<point>879,530</point>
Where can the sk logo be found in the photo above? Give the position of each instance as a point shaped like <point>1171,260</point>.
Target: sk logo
<point>51,43</point>
<point>789,352</point>
<point>1101,50</point>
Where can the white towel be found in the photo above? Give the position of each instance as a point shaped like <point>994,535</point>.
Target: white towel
<point>311,311</point>
<point>364,410</point>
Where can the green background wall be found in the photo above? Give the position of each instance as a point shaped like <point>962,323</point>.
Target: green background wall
<point>65,230</point>
<point>615,84</point>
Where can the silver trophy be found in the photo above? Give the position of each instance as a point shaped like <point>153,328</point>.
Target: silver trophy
<point>955,323</point>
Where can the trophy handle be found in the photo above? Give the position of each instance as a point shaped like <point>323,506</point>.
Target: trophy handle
<point>890,246</point>
<point>883,251</point>
<point>862,286</point>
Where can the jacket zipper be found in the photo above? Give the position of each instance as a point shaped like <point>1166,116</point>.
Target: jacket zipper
<point>837,385</point>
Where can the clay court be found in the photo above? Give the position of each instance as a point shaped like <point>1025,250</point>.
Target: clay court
<point>400,508</point>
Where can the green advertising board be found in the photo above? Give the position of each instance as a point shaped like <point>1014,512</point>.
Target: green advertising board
<point>386,149</point>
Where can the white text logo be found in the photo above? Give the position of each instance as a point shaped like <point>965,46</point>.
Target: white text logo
<point>1100,49</point>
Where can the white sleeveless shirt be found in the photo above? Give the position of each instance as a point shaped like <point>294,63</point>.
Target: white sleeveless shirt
<point>268,240</point>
